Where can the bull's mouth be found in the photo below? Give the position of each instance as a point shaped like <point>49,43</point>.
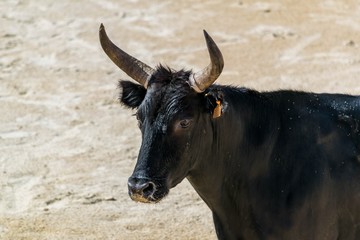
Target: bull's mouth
<point>141,198</point>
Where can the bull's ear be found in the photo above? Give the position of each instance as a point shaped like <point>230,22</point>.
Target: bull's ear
<point>132,94</point>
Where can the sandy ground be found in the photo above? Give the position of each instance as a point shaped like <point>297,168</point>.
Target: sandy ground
<point>67,147</point>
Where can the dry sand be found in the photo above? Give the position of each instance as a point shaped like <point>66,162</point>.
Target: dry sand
<point>67,147</point>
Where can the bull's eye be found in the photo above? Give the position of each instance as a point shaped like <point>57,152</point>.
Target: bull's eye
<point>185,123</point>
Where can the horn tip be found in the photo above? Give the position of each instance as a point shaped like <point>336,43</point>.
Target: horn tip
<point>208,38</point>
<point>101,28</point>
<point>205,33</point>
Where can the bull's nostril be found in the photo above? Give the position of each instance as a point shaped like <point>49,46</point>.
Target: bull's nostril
<point>149,189</point>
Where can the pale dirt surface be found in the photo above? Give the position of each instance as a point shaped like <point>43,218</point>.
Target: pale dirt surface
<point>67,147</point>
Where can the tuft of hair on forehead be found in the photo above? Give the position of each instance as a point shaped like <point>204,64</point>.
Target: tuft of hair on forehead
<point>165,75</point>
<point>169,85</point>
<point>170,90</point>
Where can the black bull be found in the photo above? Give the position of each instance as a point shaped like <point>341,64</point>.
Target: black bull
<point>270,165</point>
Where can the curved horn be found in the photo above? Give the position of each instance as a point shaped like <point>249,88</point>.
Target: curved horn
<point>202,80</point>
<point>136,69</point>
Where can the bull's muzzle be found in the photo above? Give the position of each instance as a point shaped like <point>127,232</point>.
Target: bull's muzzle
<point>142,190</point>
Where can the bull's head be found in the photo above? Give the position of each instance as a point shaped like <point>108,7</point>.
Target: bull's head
<point>173,110</point>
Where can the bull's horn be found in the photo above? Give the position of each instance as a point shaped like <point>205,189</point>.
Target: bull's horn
<point>136,69</point>
<point>202,80</point>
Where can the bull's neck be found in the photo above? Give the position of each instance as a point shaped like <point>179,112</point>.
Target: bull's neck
<point>239,137</point>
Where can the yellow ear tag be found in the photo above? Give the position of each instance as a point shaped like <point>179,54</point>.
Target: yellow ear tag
<point>217,110</point>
